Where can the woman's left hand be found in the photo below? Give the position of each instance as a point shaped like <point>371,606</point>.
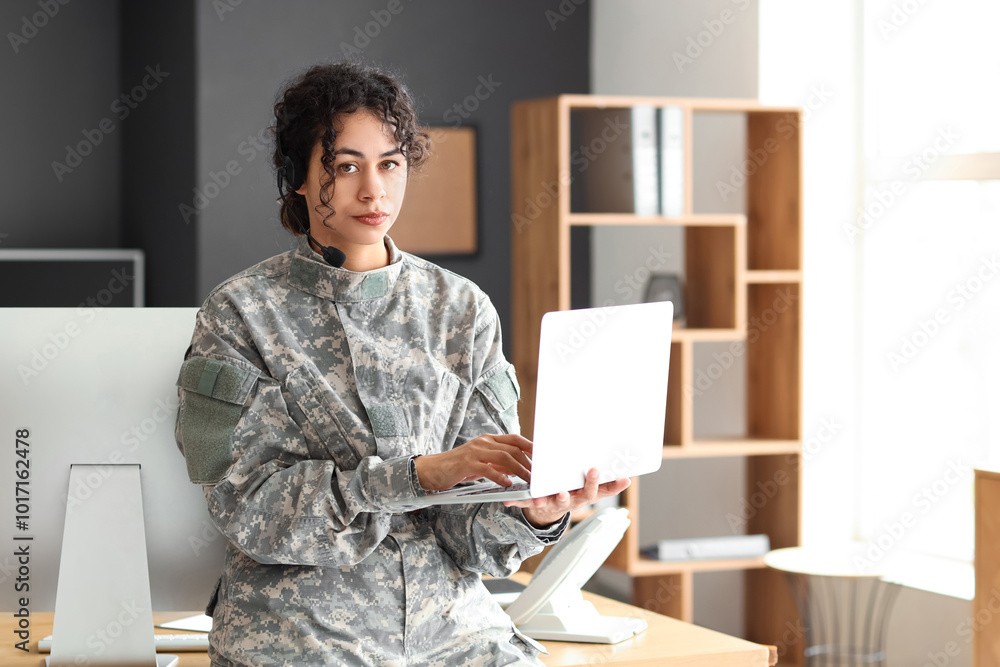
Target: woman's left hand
<point>541,512</point>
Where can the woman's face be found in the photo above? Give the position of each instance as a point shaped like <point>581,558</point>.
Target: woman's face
<point>368,192</point>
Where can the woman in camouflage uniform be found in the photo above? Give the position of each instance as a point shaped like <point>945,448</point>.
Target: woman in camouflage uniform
<point>319,388</point>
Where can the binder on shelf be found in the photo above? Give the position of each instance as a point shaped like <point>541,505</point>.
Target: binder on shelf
<point>707,548</point>
<point>671,136</point>
<point>615,162</point>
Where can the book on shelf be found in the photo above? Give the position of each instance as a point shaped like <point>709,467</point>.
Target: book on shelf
<point>671,137</point>
<point>615,161</point>
<point>708,548</point>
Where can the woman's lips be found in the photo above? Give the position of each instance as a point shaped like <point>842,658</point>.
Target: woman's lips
<point>373,219</point>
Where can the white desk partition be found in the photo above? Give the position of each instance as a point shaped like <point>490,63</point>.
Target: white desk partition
<point>97,386</point>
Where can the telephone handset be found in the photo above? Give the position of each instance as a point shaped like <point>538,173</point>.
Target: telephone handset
<point>552,607</point>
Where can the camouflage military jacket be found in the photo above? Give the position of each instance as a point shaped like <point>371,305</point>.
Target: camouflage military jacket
<point>304,397</point>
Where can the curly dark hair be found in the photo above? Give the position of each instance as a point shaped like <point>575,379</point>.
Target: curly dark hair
<point>307,109</point>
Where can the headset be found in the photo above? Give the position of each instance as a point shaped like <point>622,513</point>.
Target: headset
<point>287,172</point>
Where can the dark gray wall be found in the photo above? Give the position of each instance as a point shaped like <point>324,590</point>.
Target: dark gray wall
<point>58,85</point>
<point>222,71</point>
<point>160,144</point>
<point>440,47</point>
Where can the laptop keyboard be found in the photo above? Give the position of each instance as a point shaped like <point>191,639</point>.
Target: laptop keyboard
<point>495,488</point>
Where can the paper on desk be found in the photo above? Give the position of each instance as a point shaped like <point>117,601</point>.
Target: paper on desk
<point>199,623</point>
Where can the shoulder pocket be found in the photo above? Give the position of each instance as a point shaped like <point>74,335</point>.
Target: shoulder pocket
<point>215,391</point>
<point>501,391</point>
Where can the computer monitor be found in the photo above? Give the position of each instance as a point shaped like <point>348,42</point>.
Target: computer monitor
<point>98,386</point>
<point>99,278</point>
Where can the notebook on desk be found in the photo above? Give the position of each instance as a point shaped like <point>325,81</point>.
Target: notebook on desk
<point>600,402</point>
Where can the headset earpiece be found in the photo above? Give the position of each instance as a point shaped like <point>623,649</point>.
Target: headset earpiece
<point>291,174</point>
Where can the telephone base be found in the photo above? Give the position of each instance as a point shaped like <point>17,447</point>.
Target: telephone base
<point>600,630</point>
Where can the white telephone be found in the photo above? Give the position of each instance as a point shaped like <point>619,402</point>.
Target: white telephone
<point>552,606</point>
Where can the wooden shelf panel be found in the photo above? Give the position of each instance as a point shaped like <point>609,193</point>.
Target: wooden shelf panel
<point>646,567</point>
<point>693,103</point>
<point>760,277</point>
<point>693,220</point>
<point>708,335</point>
<point>735,447</point>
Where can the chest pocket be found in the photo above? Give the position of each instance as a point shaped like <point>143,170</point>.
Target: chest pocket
<point>419,423</point>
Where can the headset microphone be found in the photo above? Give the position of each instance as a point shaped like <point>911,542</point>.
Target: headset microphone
<point>333,256</point>
<point>288,172</point>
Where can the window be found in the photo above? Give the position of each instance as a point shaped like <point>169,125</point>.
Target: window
<point>930,246</point>
<point>902,235</point>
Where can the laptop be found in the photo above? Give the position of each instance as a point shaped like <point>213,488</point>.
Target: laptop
<point>600,402</point>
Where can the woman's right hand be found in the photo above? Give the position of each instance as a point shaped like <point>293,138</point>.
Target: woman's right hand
<point>490,456</point>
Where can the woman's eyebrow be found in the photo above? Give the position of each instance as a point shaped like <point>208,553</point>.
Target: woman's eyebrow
<point>356,153</point>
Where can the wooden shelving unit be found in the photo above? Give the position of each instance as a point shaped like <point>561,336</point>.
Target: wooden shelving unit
<point>743,282</point>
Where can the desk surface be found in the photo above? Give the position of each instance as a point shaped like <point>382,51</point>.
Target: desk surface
<point>666,642</point>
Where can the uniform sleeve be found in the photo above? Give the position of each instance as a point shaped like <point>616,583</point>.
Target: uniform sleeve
<point>265,493</point>
<point>490,538</point>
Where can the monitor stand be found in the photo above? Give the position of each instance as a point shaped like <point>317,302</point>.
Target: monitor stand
<point>103,614</point>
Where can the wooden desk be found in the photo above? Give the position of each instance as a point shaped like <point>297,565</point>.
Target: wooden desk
<point>666,642</point>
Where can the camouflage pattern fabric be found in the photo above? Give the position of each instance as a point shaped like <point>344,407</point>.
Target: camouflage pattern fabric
<point>304,397</point>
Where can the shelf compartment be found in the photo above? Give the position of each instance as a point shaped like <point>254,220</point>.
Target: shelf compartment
<point>774,191</point>
<point>774,361</point>
<point>714,267</point>
<point>627,219</point>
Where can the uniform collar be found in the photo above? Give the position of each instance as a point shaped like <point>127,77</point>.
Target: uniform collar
<point>310,273</point>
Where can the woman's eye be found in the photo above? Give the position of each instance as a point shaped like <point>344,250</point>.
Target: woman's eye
<point>346,168</point>
<point>390,164</point>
